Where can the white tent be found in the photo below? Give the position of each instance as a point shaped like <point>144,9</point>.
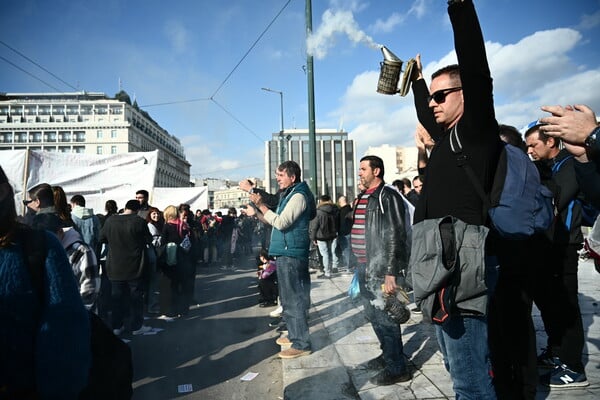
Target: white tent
<point>97,177</point>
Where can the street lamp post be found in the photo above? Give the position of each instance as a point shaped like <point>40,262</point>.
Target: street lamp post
<point>281,143</point>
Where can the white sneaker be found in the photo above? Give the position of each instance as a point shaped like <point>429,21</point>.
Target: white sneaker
<point>143,329</point>
<point>276,312</point>
<point>166,318</point>
<point>118,331</point>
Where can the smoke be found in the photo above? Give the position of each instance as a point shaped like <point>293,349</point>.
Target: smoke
<point>332,23</point>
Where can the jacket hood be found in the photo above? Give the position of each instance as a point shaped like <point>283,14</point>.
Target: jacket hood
<point>70,236</point>
<point>82,212</point>
<point>328,208</point>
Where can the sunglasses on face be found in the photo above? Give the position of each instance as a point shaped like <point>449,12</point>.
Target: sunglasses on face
<point>26,202</point>
<point>440,95</point>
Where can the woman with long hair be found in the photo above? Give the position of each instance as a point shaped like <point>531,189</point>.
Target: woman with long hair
<point>155,223</point>
<point>63,209</point>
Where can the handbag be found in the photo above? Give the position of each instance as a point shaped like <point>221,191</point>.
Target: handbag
<point>186,243</point>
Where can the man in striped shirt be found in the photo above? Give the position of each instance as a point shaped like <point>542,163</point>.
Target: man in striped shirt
<point>378,243</point>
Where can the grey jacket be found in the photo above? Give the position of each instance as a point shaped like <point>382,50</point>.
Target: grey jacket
<point>458,288</point>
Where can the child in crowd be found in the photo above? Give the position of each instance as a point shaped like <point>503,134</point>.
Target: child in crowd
<point>267,280</point>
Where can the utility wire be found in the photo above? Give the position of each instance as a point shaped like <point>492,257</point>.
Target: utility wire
<point>39,66</point>
<point>176,102</point>
<point>251,48</point>
<point>237,120</point>
<point>30,74</point>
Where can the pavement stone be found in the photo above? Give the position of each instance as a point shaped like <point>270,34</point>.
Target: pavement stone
<point>343,341</point>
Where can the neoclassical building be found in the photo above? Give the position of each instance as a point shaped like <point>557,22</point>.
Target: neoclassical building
<point>91,123</point>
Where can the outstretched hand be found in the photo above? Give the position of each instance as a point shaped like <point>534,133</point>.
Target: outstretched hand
<point>573,124</point>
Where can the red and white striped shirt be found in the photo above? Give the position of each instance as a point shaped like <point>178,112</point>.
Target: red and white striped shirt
<point>358,239</point>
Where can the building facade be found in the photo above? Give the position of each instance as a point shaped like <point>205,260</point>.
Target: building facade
<point>399,162</point>
<point>336,162</point>
<point>91,123</point>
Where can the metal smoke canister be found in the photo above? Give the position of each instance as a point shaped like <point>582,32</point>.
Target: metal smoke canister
<point>389,75</point>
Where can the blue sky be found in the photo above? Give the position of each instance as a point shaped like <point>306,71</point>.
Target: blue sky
<point>221,52</point>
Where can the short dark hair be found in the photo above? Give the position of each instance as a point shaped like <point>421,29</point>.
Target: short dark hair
<point>44,193</point>
<point>325,198</point>
<point>511,135</point>
<point>399,184</point>
<point>452,70</point>
<point>375,162</point>
<point>407,182</point>
<point>542,136</point>
<point>132,205</point>
<point>78,200</point>
<point>143,192</point>
<point>291,168</point>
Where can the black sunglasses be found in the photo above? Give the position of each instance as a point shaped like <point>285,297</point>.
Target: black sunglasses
<point>440,95</point>
<point>26,202</point>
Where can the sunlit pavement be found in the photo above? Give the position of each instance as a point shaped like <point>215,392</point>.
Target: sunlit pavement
<point>343,340</point>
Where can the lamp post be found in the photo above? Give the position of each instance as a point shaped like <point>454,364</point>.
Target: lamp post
<point>281,143</point>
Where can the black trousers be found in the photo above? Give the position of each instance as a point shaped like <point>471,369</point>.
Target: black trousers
<point>555,294</point>
<point>511,333</point>
<point>267,289</point>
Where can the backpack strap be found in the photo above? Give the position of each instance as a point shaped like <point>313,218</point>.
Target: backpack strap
<point>463,161</point>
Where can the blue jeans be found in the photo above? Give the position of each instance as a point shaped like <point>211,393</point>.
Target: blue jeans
<point>387,331</point>
<point>463,342</point>
<point>330,259</point>
<point>294,294</point>
<point>343,243</point>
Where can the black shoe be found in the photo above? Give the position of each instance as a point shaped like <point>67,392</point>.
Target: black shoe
<point>275,323</point>
<point>376,363</point>
<point>281,328</point>
<point>384,378</point>
<point>268,304</point>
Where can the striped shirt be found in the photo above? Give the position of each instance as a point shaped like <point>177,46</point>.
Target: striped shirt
<point>358,239</point>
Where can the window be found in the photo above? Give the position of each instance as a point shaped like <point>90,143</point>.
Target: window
<point>35,137</point>
<point>50,136</point>
<point>113,149</point>
<point>113,134</point>
<point>64,136</point>
<point>79,136</point>
<point>78,149</point>
<point>21,137</point>
<point>98,149</point>
<point>64,149</point>
<point>6,137</point>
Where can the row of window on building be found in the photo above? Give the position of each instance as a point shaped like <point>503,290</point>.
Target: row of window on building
<point>50,136</point>
<point>60,109</point>
<point>62,149</point>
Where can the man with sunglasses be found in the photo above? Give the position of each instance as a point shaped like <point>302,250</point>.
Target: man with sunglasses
<point>460,101</point>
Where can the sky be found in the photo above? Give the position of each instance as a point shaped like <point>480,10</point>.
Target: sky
<point>198,66</point>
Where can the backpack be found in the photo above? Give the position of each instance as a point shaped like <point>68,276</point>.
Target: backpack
<point>518,205</point>
<point>329,227</point>
<point>111,372</point>
<point>589,213</point>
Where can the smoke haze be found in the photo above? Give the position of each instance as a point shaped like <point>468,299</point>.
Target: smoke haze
<point>332,23</point>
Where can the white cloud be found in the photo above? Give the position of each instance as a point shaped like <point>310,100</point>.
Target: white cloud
<point>177,35</point>
<point>418,8</point>
<point>589,21</point>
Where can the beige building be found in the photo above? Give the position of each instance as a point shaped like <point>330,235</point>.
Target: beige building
<point>399,162</point>
<point>91,123</point>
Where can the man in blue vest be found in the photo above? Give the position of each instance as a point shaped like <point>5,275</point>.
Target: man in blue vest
<point>289,244</point>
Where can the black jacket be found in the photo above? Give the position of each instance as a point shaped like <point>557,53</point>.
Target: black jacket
<point>325,224</point>
<point>385,233</point>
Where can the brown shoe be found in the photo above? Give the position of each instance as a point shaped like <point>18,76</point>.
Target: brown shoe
<point>283,341</point>
<point>293,353</point>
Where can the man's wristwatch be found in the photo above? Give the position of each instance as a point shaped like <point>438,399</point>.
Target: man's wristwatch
<point>590,141</point>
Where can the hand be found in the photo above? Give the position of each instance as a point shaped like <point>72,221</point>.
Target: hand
<point>246,185</point>
<point>423,140</point>
<point>250,211</point>
<point>418,71</point>
<point>578,151</point>
<point>255,198</point>
<point>389,286</point>
<point>572,124</point>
